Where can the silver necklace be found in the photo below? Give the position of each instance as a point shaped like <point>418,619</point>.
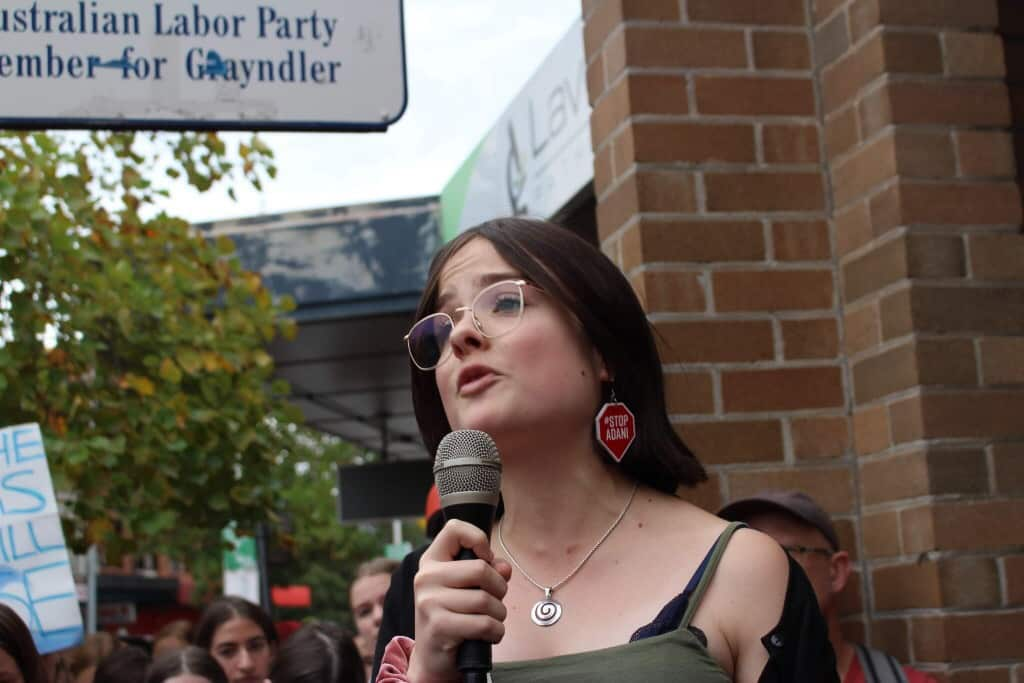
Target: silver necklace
<point>548,611</point>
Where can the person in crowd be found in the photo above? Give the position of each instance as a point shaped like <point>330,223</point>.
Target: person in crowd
<point>240,636</point>
<point>19,660</point>
<point>319,653</point>
<point>366,600</point>
<point>189,664</point>
<point>805,531</point>
<point>172,637</point>
<point>126,664</point>
<point>595,571</point>
<point>82,660</point>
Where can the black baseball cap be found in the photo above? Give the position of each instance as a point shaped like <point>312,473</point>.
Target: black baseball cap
<point>795,503</point>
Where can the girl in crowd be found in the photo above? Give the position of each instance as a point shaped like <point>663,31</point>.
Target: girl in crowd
<point>172,637</point>
<point>126,664</point>
<point>366,599</point>
<point>319,653</point>
<point>19,660</point>
<point>240,636</point>
<point>190,664</point>
<point>596,570</point>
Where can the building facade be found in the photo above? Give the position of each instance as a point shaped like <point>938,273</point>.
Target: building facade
<point>818,202</point>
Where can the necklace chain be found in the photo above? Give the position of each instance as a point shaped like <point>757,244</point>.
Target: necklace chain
<point>548,590</point>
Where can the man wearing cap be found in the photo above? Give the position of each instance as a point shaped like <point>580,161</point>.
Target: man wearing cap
<point>805,531</point>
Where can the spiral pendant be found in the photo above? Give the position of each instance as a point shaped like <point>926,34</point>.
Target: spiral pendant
<point>546,612</point>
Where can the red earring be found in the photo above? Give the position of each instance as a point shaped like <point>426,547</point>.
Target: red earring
<point>616,427</point>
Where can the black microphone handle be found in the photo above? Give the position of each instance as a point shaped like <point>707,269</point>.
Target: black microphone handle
<point>474,656</point>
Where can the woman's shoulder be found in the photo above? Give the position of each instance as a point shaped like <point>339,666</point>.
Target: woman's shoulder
<point>751,566</point>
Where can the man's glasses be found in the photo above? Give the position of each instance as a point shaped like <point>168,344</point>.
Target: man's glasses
<point>495,311</point>
<point>807,550</point>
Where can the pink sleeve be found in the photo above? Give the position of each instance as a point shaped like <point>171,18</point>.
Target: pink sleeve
<point>394,664</point>
<point>915,676</point>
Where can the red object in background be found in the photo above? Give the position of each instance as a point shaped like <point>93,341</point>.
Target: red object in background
<point>286,628</point>
<point>433,503</point>
<point>291,596</point>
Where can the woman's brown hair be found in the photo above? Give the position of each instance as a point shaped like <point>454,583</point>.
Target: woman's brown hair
<point>593,290</point>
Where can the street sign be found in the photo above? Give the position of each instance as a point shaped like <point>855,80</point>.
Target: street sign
<point>202,64</point>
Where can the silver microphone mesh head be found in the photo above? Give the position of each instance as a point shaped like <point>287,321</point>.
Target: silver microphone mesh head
<point>467,462</point>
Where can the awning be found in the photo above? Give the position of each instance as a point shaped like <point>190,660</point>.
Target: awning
<point>356,273</point>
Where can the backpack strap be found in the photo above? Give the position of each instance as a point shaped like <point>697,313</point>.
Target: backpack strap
<point>709,571</point>
<point>878,666</point>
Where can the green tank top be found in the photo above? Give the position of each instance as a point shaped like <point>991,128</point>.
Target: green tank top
<point>673,656</point>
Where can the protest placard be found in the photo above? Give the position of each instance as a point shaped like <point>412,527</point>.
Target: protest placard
<point>35,571</point>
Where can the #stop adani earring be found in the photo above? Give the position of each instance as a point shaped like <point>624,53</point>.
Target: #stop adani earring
<point>616,427</point>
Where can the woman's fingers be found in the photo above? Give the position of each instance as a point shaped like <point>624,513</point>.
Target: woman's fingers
<point>456,600</point>
<point>455,536</point>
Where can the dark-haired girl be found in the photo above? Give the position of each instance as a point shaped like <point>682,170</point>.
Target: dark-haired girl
<point>240,636</point>
<point>596,570</point>
<point>190,664</point>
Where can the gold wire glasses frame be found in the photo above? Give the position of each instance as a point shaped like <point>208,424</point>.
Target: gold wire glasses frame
<point>495,310</point>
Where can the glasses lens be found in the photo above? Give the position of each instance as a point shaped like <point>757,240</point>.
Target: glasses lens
<point>428,340</point>
<point>499,308</point>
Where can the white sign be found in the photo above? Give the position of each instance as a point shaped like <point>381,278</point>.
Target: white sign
<point>537,156</point>
<point>241,570</point>
<point>184,64</point>
<point>35,570</point>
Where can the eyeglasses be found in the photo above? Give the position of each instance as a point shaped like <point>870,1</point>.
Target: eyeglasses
<point>806,550</point>
<point>495,311</point>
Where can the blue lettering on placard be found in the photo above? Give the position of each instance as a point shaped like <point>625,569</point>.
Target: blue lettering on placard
<point>27,451</point>
<point>6,484</point>
<point>35,540</point>
<point>47,640</point>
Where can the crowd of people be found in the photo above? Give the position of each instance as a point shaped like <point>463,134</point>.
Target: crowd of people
<point>234,641</point>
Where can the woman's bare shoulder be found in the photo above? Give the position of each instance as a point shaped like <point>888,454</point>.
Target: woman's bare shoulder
<point>749,589</point>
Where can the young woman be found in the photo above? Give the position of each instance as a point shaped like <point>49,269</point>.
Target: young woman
<point>596,571</point>
<point>240,636</point>
<point>190,664</point>
<point>126,664</point>
<point>319,653</point>
<point>19,660</point>
<point>366,600</point>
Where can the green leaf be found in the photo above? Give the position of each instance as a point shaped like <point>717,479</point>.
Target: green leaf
<point>191,361</point>
<point>169,371</point>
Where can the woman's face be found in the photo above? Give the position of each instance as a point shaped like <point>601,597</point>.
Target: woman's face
<point>9,671</point>
<point>542,377</point>
<point>367,599</point>
<point>242,650</point>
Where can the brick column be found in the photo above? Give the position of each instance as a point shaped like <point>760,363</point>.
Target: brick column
<point>927,216</point>
<point>817,202</point>
<point>711,195</point>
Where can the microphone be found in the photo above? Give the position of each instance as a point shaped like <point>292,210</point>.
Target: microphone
<point>467,470</point>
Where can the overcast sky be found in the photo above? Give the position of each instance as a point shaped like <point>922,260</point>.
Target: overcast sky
<point>466,60</point>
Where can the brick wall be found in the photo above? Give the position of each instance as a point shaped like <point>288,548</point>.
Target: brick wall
<point>817,202</point>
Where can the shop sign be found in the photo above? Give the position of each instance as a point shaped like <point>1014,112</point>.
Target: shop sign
<point>537,156</point>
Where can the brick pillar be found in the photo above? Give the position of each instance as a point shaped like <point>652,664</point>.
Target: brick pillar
<point>711,195</point>
<point>817,202</point>
<point>927,216</point>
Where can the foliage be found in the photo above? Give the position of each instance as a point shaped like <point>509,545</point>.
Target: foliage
<point>324,554</point>
<point>136,343</point>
